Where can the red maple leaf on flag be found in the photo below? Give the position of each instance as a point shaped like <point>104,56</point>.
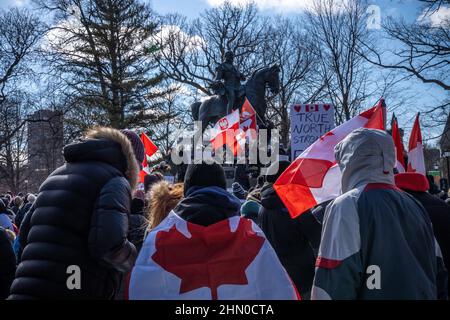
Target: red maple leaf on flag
<point>211,257</point>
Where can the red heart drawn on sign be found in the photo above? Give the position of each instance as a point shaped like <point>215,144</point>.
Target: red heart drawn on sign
<point>326,107</point>
<point>297,108</point>
<point>245,128</point>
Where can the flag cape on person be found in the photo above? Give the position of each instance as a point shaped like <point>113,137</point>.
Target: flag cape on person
<point>150,149</point>
<point>225,132</point>
<point>230,259</point>
<point>314,177</point>
<point>416,161</point>
<point>400,161</point>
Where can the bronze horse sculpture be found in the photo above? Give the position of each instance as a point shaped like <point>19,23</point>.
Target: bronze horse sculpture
<point>210,110</point>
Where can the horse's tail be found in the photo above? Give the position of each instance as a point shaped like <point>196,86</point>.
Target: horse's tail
<point>195,107</point>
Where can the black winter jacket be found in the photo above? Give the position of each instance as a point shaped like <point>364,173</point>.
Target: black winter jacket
<point>7,264</point>
<point>292,239</point>
<point>80,218</point>
<point>439,213</point>
<point>138,223</point>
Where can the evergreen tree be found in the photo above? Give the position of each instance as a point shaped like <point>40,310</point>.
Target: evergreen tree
<point>98,48</point>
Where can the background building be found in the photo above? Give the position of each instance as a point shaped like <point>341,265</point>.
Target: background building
<point>445,149</point>
<point>45,143</point>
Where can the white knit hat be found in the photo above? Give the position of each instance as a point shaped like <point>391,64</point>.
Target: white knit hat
<point>31,198</point>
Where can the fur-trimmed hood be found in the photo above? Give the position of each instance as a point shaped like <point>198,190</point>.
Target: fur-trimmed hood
<point>106,145</point>
<point>132,168</point>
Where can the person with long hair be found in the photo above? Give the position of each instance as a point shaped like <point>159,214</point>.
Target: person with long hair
<point>163,197</point>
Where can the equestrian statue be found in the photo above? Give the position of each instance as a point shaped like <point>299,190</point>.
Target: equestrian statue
<point>230,93</point>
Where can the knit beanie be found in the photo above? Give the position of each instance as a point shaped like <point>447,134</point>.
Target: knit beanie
<point>412,181</point>
<point>204,175</point>
<point>250,209</point>
<point>136,143</point>
<point>31,198</point>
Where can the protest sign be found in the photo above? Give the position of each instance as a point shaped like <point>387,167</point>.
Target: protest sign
<point>308,123</point>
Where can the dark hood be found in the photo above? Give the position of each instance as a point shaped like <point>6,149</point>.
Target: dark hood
<point>109,146</point>
<point>102,150</point>
<point>207,205</point>
<point>269,197</point>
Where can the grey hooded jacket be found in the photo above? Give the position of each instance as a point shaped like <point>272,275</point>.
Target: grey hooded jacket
<point>377,242</point>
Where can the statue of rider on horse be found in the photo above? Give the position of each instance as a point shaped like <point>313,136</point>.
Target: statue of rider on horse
<point>228,81</point>
<point>230,93</point>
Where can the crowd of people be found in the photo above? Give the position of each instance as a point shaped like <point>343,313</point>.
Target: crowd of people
<point>92,213</point>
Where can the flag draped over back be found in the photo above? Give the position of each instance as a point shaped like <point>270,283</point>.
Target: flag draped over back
<point>314,177</point>
<point>230,259</point>
<point>416,161</point>
<point>400,162</point>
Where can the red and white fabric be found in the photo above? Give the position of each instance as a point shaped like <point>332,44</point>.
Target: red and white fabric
<point>314,177</point>
<point>400,160</point>
<point>248,120</point>
<point>150,149</point>
<point>225,131</point>
<point>416,161</point>
<point>230,259</point>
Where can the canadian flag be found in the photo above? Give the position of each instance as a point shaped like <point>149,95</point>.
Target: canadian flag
<point>149,146</point>
<point>400,162</point>
<point>416,161</point>
<point>248,120</point>
<point>150,149</point>
<point>144,171</point>
<point>225,132</point>
<point>231,259</point>
<point>314,177</point>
